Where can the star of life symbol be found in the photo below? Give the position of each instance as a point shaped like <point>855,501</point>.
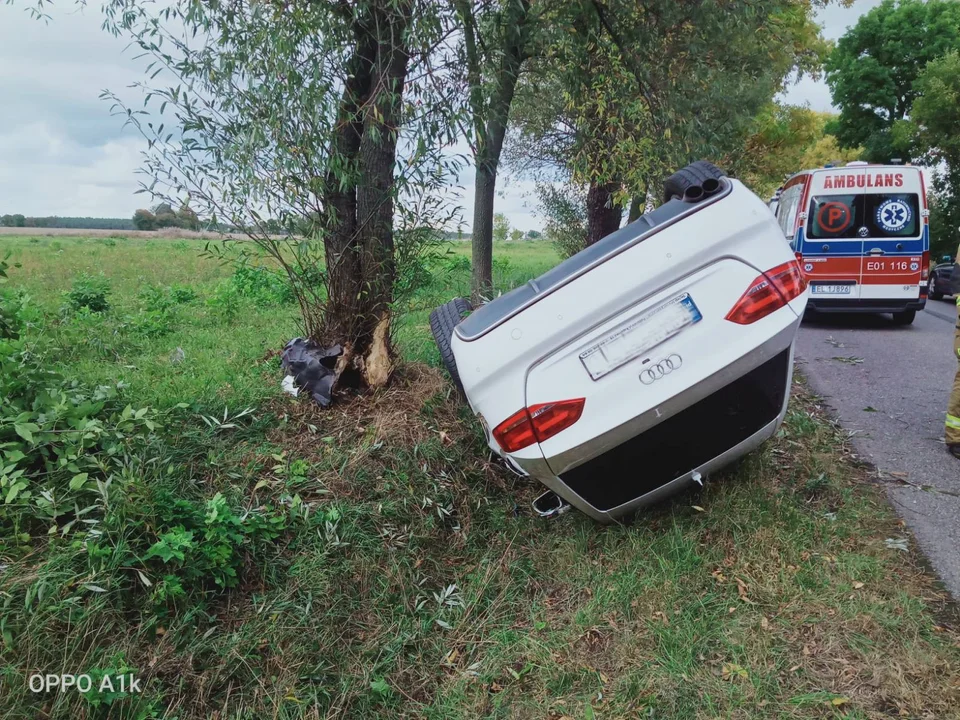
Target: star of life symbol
<point>893,215</point>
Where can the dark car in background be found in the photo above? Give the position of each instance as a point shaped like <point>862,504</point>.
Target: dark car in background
<point>941,279</point>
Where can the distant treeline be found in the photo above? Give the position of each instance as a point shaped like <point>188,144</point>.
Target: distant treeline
<point>81,223</point>
<point>156,218</point>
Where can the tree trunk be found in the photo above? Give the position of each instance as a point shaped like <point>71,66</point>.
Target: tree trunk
<point>359,240</point>
<point>340,243</point>
<point>378,154</point>
<point>490,123</point>
<point>603,216</point>
<point>485,186</point>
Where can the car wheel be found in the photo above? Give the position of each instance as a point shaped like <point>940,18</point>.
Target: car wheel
<point>932,291</point>
<point>693,174</point>
<point>904,318</point>
<point>442,322</point>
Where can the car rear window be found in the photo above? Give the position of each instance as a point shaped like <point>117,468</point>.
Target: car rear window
<point>882,214</point>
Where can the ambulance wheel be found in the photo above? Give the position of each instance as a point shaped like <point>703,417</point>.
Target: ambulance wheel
<point>934,294</point>
<point>904,318</point>
<point>442,322</point>
<point>693,174</point>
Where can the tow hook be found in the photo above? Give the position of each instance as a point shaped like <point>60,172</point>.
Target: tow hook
<point>550,505</point>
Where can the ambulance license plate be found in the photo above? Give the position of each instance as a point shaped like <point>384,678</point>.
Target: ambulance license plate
<point>639,335</point>
<point>832,289</point>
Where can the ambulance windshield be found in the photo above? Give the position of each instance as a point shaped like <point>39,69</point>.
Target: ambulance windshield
<point>880,215</point>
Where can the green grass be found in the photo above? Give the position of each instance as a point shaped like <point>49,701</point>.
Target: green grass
<point>410,579</point>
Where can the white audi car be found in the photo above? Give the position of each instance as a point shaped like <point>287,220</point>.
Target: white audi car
<point>644,362</point>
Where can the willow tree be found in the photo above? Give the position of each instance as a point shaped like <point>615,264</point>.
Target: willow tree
<point>496,39</point>
<point>645,87</point>
<point>304,116</point>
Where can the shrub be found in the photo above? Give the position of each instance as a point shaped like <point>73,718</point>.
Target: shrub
<point>152,323</point>
<point>261,284</point>
<point>11,307</point>
<point>566,211</point>
<point>61,442</point>
<point>157,297</point>
<point>205,543</point>
<point>182,294</point>
<point>89,292</point>
<point>225,300</point>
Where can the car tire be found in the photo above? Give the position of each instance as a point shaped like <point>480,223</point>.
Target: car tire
<point>905,317</point>
<point>693,174</point>
<point>442,322</point>
<point>932,292</point>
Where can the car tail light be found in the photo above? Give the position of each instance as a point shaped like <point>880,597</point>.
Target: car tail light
<point>925,264</point>
<point>769,292</point>
<point>537,423</point>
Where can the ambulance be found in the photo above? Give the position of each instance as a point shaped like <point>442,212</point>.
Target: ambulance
<point>860,233</point>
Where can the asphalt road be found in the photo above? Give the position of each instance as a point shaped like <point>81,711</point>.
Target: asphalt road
<point>889,386</point>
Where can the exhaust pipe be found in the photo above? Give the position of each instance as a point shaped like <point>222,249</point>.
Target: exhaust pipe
<point>711,186</point>
<point>550,505</point>
<point>693,194</point>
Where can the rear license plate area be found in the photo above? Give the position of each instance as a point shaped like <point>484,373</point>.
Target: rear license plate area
<point>639,335</point>
<point>828,289</point>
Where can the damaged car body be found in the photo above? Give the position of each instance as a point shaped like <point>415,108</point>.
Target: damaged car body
<point>646,361</point>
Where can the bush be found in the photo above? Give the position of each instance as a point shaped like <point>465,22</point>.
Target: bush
<point>566,212</point>
<point>203,543</point>
<point>89,292</point>
<point>152,323</point>
<point>225,300</point>
<point>11,307</point>
<point>62,443</point>
<point>156,297</point>
<point>261,284</point>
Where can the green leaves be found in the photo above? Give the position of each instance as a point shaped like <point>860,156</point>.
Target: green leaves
<point>873,71</point>
<point>26,430</point>
<point>77,481</point>
<point>57,439</point>
<point>172,545</point>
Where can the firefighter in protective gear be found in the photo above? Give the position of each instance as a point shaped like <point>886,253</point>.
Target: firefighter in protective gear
<point>953,408</point>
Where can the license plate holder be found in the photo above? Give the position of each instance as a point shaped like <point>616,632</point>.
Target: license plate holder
<point>640,335</point>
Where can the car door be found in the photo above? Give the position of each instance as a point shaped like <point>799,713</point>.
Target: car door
<point>894,244</point>
<point>833,247</point>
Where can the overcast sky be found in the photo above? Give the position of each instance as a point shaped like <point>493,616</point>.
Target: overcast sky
<point>61,153</point>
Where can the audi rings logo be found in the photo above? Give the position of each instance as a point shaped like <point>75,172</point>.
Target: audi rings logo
<point>664,367</point>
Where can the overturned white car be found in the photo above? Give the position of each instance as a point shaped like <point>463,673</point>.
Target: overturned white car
<point>644,362</point>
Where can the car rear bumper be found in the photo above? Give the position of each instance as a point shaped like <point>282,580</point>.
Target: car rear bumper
<point>696,432</point>
<point>865,306</point>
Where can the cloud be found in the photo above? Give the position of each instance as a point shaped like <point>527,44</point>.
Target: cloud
<point>61,151</point>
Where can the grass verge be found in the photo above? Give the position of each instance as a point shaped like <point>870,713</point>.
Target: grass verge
<point>371,561</point>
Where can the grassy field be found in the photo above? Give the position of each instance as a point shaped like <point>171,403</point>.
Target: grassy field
<point>371,561</point>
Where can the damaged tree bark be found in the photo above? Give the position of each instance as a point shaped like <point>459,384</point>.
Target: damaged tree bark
<point>359,195</point>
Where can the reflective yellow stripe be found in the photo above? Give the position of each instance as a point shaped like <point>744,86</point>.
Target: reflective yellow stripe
<point>953,422</point>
